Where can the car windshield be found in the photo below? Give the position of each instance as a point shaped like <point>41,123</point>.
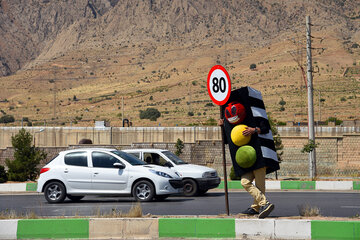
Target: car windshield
<point>129,158</point>
<point>175,159</point>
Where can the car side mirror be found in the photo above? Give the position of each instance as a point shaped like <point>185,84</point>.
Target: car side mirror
<point>168,164</point>
<point>119,165</point>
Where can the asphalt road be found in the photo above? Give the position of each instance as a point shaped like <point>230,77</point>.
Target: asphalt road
<point>287,204</point>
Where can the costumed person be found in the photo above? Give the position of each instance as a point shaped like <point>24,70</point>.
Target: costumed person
<point>251,144</point>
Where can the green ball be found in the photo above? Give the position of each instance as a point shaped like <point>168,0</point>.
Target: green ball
<point>245,156</point>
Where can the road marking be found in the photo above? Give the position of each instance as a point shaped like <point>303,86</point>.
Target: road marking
<point>349,206</point>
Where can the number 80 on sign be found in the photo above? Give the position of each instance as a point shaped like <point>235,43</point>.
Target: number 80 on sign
<point>219,85</point>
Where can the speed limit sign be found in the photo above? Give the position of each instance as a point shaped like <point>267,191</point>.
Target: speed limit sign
<point>219,85</point>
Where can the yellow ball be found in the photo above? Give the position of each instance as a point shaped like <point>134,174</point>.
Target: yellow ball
<point>237,135</point>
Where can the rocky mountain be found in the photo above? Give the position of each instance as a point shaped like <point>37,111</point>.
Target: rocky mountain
<point>66,59</point>
<point>33,28</point>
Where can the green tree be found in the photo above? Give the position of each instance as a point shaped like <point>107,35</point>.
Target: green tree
<point>3,176</point>
<point>150,113</point>
<point>277,139</point>
<point>252,66</point>
<point>26,158</point>
<point>7,119</point>
<point>179,147</point>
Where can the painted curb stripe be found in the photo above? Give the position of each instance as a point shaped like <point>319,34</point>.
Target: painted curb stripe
<point>356,185</point>
<point>31,187</point>
<point>336,230</point>
<point>197,228</point>
<point>53,228</point>
<point>298,185</point>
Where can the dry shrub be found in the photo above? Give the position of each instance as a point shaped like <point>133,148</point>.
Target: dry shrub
<point>309,211</point>
<point>135,211</point>
<point>13,215</point>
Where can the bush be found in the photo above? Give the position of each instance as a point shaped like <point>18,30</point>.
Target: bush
<point>252,66</point>
<point>334,119</point>
<point>7,119</point>
<point>190,114</point>
<point>3,176</point>
<point>26,158</point>
<point>150,113</point>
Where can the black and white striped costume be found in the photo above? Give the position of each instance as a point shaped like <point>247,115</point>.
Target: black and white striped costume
<point>256,116</point>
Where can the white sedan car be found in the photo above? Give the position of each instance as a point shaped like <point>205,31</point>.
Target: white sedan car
<point>99,171</point>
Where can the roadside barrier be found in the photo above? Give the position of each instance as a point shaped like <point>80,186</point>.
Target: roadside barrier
<point>234,185</point>
<point>154,228</point>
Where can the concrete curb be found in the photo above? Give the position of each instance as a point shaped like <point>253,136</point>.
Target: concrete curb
<point>232,185</point>
<point>154,228</point>
<point>301,185</point>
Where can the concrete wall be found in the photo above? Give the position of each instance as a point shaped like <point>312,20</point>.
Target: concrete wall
<point>337,156</point>
<point>65,136</point>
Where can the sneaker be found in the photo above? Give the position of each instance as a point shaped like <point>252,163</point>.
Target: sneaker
<point>266,210</point>
<point>250,211</point>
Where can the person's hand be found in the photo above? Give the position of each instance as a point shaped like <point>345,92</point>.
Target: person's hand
<point>221,122</point>
<point>248,131</point>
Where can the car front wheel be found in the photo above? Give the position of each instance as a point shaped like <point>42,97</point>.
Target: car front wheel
<point>55,192</point>
<point>75,198</point>
<point>143,191</point>
<point>190,187</point>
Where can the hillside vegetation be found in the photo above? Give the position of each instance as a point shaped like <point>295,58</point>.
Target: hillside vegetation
<point>76,61</point>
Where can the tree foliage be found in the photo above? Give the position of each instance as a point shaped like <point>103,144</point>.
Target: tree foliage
<point>3,176</point>
<point>26,158</point>
<point>7,119</point>
<point>277,139</point>
<point>150,113</point>
<point>179,147</point>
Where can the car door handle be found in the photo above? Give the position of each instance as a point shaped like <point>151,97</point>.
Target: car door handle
<point>96,173</point>
<point>66,171</point>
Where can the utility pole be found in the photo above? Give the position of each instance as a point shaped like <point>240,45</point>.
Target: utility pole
<point>312,155</point>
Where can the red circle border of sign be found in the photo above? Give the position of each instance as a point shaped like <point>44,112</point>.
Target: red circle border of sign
<point>220,103</point>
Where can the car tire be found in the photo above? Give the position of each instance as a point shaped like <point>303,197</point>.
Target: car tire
<point>190,187</point>
<point>75,198</point>
<point>143,191</point>
<point>202,192</point>
<point>55,192</point>
<point>161,197</point>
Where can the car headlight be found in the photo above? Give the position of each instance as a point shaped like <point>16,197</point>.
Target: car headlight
<point>161,174</point>
<point>209,174</point>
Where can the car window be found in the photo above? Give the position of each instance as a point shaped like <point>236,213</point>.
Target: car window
<point>174,158</point>
<point>129,158</point>
<point>154,158</point>
<point>103,160</point>
<point>135,154</point>
<point>76,159</point>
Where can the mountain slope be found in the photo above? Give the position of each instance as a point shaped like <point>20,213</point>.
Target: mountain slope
<point>79,59</point>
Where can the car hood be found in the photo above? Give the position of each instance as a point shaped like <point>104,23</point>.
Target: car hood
<point>167,170</point>
<point>186,169</point>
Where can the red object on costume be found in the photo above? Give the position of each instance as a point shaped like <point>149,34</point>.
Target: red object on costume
<point>235,113</point>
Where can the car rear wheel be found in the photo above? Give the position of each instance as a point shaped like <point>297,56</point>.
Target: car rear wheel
<point>143,191</point>
<point>75,198</point>
<point>55,192</point>
<point>190,187</point>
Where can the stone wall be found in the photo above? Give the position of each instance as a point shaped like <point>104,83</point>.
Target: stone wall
<point>337,157</point>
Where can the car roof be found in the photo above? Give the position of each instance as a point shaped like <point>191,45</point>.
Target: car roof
<point>89,149</point>
<point>144,150</point>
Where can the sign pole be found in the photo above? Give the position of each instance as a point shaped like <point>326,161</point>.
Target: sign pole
<point>224,164</point>
<point>219,89</point>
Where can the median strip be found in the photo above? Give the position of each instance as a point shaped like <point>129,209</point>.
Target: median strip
<point>192,227</point>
